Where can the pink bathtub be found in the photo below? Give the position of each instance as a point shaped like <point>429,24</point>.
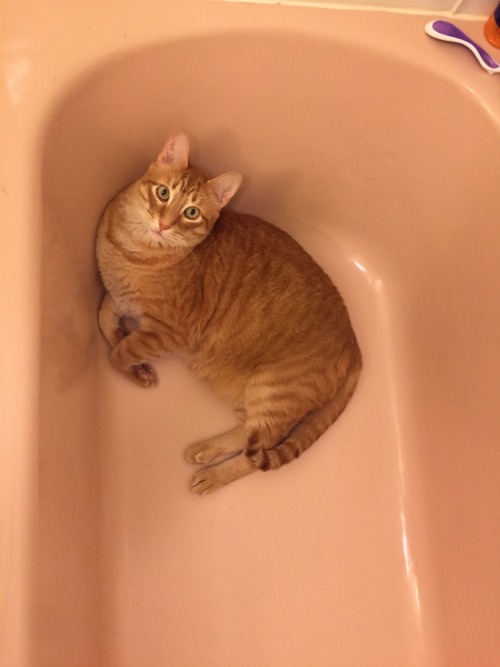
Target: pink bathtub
<point>378,149</point>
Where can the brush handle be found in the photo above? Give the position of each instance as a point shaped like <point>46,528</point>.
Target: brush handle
<point>447,32</point>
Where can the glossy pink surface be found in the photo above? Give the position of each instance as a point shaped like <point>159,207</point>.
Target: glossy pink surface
<point>377,148</point>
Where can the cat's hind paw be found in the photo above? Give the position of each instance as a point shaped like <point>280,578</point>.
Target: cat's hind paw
<point>221,446</point>
<point>206,481</point>
<point>207,451</point>
<point>211,478</point>
<point>198,453</point>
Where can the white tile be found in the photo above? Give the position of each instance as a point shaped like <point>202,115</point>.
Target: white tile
<point>476,7</point>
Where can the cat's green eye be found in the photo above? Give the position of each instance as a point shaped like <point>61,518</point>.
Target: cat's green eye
<point>163,192</point>
<point>192,212</point>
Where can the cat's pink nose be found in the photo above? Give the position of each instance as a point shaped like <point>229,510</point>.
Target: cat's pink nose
<point>165,224</point>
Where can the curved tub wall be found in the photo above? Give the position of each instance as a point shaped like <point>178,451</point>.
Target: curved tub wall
<point>379,546</point>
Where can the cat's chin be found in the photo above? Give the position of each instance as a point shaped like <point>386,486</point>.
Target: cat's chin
<point>157,239</point>
<point>158,242</point>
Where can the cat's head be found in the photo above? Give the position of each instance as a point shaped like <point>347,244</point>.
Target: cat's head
<point>173,205</point>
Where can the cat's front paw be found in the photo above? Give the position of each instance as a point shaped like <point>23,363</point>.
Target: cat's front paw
<point>145,375</point>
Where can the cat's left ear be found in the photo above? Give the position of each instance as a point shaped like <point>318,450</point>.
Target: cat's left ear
<point>176,150</point>
<point>223,187</point>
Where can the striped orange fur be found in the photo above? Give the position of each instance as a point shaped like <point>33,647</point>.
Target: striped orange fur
<point>258,318</point>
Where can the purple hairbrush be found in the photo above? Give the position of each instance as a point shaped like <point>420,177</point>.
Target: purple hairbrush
<point>447,32</point>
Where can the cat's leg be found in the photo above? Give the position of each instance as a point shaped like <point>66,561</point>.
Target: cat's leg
<point>132,353</point>
<point>274,409</point>
<point>272,412</point>
<point>211,478</point>
<point>259,436</point>
<point>232,442</point>
<point>114,329</point>
<point>109,319</point>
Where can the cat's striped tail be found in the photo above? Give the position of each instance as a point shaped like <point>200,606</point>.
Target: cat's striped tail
<point>305,433</point>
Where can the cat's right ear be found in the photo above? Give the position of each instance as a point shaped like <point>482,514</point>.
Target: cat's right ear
<point>223,187</point>
<point>176,151</point>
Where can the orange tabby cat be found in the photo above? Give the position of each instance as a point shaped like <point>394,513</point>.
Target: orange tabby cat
<point>256,315</point>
